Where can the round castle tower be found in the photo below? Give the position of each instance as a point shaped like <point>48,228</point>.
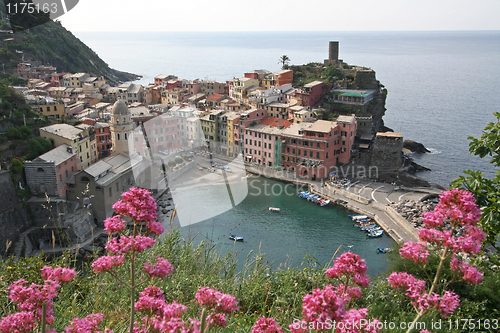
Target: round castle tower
<point>121,127</point>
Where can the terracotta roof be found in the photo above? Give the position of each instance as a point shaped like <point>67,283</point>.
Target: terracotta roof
<point>275,122</point>
<point>215,97</point>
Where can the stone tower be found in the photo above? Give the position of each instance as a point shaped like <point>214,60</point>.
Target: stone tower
<point>121,127</point>
<point>333,54</point>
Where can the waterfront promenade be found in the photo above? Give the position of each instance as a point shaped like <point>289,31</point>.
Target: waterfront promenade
<point>363,197</point>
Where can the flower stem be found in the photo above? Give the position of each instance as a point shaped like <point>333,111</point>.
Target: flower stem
<point>44,318</point>
<point>203,321</point>
<point>132,285</point>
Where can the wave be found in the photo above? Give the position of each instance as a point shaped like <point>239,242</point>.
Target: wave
<point>434,151</point>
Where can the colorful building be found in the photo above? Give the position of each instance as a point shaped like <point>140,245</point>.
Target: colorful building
<point>312,92</point>
<point>283,76</point>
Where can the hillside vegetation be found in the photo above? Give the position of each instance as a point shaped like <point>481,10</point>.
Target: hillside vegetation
<point>51,44</point>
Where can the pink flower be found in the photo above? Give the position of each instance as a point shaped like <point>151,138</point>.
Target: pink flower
<point>349,265</point>
<point>406,282</point>
<point>19,322</point>
<point>150,300</point>
<point>114,224</point>
<point>89,324</point>
<point>212,298</point>
<point>58,274</point>
<point>448,303</point>
<point>217,320</point>
<point>155,227</point>
<point>266,325</point>
<point>32,298</point>
<point>355,321</point>
<point>138,204</point>
<point>123,244</point>
<point>348,293</point>
<point>173,310</point>
<point>468,273</point>
<point>161,269</point>
<point>415,252</point>
<point>471,240</point>
<point>324,304</point>
<point>107,263</point>
<point>432,236</point>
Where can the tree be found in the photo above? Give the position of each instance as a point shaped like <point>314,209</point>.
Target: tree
<point>38,146</point>
<point>486,191</point>
<point>284,60</point>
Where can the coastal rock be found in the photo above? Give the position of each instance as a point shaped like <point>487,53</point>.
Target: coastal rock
<point>415,147</point>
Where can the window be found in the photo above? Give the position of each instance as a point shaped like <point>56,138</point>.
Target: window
<point>288,150</point>
<point>259,143</point>
<point>298,152</point>
<point>293,151</point>
<point>317,144</point>
<point>311,153</point>
<point>317,154</point>
<point>265,145</point>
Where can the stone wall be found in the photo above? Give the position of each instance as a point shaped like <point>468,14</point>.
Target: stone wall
<point>387,153</point>
<point>7,191</point>
<point>365,79</point>
<point>12,223</point>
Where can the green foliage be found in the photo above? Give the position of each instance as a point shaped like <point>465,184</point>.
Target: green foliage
<point>38,146</point>
<point>284,60</point>
<point>331,73</point>
<point>17,166</point>
<point>19,133</point>
<point>178,160</point>
<point>486,191</point>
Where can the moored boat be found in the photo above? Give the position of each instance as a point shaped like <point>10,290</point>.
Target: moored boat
<point>236,238</point>
<point>324,203</point>
<point>384,250</point>
<point>274,209</point>
<point>376,233</point>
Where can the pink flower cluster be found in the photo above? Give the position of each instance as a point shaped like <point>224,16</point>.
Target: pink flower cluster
<point>458,208</point>
<point>19,322</point>
<point>138,204</point>
<point>356,318</point>
<point>32,298</point>
<point>160,316</point>
<point>89,324</point>
<point>107,263</point>
<point>58,274</point>
<point>266,325</point>
<point>324,304</point>
<point>214,299</point>
<point>447,303</point>
<point>123,244</point>
<point>114,224</point>
<point>468,273</point>
<point>160,270</point>
<point>414,251</point>
<point>347,266</point>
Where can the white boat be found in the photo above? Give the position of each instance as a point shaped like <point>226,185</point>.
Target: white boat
<point>274,209</point>
<point>359,217</point>
<point>324,203</point>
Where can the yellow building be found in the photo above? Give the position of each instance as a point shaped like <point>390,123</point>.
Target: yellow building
<point>51,110</point>
<point>232,119</point>
<point>267,82</point>
<point>241,87</point>
<point>210,126</point>
<point>70,135</point>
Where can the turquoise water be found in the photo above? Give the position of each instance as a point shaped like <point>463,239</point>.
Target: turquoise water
<point>301,228</point>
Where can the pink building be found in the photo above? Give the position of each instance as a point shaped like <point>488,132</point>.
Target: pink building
<point>312,92</point>
<point>311,150</point>
<point>263,141</point>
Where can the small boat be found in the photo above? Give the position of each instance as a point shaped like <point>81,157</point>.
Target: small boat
<point>371,229</point>
<point>353,215</point>
<point>359,217</point>
<point>384,250</point>
<point>274,209</point>
<point>324,203</point>
<point>236,238</point>
<point>376,233</point>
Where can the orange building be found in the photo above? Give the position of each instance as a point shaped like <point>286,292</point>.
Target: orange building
<point>283,76</point>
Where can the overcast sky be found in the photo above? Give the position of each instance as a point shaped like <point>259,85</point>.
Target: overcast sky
<point>282,15</point>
